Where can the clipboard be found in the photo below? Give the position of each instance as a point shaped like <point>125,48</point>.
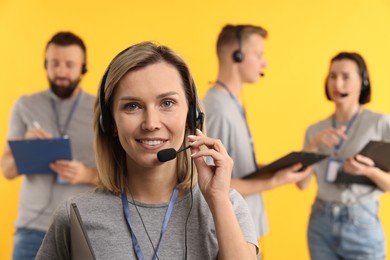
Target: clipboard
<point>80,246</point>
<point>379,152</point>
<point>305,158</point>
<point>33,156</point>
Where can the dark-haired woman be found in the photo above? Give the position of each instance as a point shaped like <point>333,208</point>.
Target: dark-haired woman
<point>344,222</point>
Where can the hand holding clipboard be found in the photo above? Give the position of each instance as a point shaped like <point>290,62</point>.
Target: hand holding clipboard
<point>33,156</point>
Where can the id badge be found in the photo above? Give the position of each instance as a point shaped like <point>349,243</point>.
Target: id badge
<point>332,170</point>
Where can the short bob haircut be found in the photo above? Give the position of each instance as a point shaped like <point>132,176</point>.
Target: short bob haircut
<point>365,92</point>
<point>109,154</point>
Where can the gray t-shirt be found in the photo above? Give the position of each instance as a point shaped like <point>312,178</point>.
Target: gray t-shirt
<point>367,126</point>
<point>224,121</point>
<point>41,194</point>
<point>103,216</point>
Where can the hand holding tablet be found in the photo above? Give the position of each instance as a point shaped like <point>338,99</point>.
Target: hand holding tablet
<point>305,158</point>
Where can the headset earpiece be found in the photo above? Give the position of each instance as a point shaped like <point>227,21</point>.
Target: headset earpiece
<point>105,120</point>
<point>195,116</point>
<point>84,69</point>
<point>365,82</point>
<point>238,55</point>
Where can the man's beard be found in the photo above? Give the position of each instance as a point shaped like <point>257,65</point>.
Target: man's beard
<point>63,92</point>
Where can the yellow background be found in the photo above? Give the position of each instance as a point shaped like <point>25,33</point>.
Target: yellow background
<point>304,35</point>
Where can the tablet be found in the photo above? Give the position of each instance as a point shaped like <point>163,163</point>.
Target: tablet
<point>379,152</point>
<point>305,158</point>
<point>80,246</point>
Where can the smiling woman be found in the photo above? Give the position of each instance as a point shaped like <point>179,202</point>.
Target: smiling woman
<point>150,115</point>
<point>148,103</point>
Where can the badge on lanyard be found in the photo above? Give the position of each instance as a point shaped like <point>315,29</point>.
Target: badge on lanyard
<point>335,164</point>
<point>332,169</point>
<point>59,179</point>
<point>63,130</point>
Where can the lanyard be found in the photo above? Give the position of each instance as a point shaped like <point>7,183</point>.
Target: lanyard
<point>349,125</point>
<point>168,213</point>
<point>63,131</point>
<point>243,114</point>
<point>238,104</point>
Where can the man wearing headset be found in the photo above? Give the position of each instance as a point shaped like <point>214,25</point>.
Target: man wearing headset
<point>240,51</point>
<point>66,111</point>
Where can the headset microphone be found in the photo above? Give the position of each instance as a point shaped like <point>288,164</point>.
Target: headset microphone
<point>262,74</point>
<point>169,154</point>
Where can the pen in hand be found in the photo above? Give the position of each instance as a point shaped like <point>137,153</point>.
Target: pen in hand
<point>36,124</point>
<point>36,131</point>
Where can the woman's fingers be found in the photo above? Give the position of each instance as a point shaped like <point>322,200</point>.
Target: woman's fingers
<point>203,146</point>
<point>201,140</point>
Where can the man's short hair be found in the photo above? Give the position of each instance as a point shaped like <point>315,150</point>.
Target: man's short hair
<point>67,39</point>
<point>236,35</point>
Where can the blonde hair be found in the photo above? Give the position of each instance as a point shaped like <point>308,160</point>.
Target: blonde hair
<point>110,156</point>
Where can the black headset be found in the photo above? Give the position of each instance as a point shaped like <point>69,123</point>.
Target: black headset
<point>365,82</point>
<point>83,67</point>
<point>238,55</point>
<point>195,116</point>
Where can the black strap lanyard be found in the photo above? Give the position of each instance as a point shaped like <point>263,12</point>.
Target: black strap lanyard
<point>63,131</point>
